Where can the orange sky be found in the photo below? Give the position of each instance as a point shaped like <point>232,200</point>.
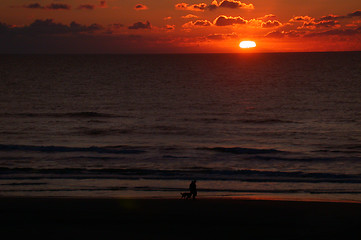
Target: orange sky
<point>172,26</point>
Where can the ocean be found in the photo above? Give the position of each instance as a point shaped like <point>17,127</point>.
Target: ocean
<point>263,125</point>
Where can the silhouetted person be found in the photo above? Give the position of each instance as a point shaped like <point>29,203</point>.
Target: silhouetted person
<point>193,189</point>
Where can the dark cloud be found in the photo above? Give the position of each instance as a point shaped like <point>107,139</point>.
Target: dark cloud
<point>48,27</point>
<point>331,17</point>
<point>355,14</point>
<point>336,32</point>
<point>102,4</point>
<point>226,21</point>
<point>323,22</point>
<point>34,6</point>
<point>58,6</point>
<point>86,7</point>
<point>140,25</point>
<point>197,23</point>
<point>336,17</point>
<point>318,24</point>
<point>194,7</point>
<point>140,7</point>
<point>53,6</point>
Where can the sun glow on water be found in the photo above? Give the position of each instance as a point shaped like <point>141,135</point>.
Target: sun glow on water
<point>247,44</point>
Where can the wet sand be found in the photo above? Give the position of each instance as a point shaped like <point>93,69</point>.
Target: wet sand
<point>217,218</point>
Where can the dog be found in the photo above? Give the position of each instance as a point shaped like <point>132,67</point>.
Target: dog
<point>186,195</point>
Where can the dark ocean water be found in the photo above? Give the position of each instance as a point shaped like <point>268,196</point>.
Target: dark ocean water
<point>284,125</point>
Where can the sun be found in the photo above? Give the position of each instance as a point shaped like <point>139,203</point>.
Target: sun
<point>247,44</point>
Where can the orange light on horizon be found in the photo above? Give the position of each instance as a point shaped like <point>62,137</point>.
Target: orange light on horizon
<point>247,44</point>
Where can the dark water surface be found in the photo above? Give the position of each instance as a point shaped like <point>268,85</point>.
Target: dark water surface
<point>284,124</point>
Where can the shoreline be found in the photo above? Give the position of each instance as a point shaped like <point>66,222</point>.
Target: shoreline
<point>147,218</point>
<point>280,198</point>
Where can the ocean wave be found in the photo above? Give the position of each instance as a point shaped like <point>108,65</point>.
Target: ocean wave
<point>24,184</point>
<point>263,121</point>
<point>54,149</point>
<point>240,120</point>
<point>64,115</point>
<point>200,174</point>
<point>343,148</point>
<point>239,150</point>
<point>303,159</point>
<point>101,131</point>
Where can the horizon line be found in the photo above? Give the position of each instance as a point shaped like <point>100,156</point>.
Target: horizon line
<point>190,53</point>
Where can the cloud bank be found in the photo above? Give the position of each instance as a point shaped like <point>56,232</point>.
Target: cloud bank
<point>231,4</point>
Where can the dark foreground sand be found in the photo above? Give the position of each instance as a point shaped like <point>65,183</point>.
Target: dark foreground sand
<point>70,218</point>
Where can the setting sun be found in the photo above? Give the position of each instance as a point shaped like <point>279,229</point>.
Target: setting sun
<point>247,44</point>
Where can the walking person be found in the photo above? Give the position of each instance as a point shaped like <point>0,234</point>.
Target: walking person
<point>193,189</point>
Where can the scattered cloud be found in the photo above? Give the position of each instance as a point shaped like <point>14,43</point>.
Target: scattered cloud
<point>330,20</point>
<point>268,21</point>
<point>268,17</point>
<point>312,23</point>
<point>197,23</point>
<point>86,7</point>
<point>233,4</point>
<point>102,4</point>
<point>116,25</point>
<point>169,27</point>
<point>34,6</point>
<point>324,24</point>
<point>203,23</point>
<point>230,4</point>
<point>140,7</point>
<point>271,24</point>
<point>53,6</point>
<point>337,17</point>
<point>331,17</point>
<point>302,19</point>
<point>58,6</point>
<point>336,32</point>
<point>140,25</point>
<point>194,7</point>
<point>226,21</point>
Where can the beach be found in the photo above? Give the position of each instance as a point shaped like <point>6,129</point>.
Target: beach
<point>204,218</point>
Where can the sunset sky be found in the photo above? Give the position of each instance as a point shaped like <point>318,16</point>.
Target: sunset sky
<point>172,26</point>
